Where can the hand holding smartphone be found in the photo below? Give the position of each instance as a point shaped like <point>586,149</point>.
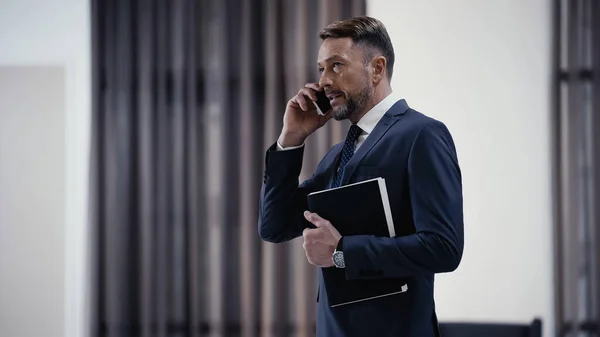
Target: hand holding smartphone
<point>297,123</point>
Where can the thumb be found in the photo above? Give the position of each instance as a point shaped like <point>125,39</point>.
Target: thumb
<point>315,219</point>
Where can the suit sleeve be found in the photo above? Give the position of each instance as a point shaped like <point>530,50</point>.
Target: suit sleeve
<point>282,201</point>
<point>435,189</point>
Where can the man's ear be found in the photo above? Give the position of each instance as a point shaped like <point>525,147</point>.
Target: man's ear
<point>378,64</point>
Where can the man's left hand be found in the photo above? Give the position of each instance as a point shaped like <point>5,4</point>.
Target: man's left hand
<point>320,243</point>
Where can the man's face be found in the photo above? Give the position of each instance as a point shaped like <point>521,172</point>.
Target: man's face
<point>344,76</point>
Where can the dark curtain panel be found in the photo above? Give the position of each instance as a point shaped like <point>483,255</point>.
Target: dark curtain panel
<point>188,95</point>
<point>577,163</point>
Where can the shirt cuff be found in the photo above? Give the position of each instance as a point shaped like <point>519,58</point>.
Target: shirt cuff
<point>281,148</point>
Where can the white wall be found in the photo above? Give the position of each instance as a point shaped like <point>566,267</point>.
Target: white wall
<point>57,32</point>
<point>483,67</point>
<point>32,201</point>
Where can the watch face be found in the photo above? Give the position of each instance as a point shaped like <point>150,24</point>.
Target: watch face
<point>338,259</point>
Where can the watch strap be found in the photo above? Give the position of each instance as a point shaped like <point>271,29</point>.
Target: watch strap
<point>340,245</point>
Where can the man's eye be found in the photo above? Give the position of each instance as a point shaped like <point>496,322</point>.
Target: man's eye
<point>336,64</point>
<point>321,70</point>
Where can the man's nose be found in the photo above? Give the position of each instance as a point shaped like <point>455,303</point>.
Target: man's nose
<point>325,80</point>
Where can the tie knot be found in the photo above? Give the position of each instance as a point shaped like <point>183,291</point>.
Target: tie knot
<point>353,133</point>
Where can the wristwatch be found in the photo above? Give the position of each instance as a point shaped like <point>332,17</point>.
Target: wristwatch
<point>338,255</point>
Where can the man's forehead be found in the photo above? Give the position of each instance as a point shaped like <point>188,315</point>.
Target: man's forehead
<point>335,47</point>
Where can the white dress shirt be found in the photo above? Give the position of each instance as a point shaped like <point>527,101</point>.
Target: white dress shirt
<point>367,123</point>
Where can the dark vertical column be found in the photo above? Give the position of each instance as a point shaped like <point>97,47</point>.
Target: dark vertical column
<point>144,62</point>
<point>215,140</point>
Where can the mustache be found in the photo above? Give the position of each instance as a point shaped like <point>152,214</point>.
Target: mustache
<point>334,92</point>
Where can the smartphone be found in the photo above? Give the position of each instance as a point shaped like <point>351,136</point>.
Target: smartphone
<point>322,103</point>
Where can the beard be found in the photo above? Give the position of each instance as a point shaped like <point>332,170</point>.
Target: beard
<point>355,102</point>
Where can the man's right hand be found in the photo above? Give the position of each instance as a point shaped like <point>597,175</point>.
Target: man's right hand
<point>301,118</point>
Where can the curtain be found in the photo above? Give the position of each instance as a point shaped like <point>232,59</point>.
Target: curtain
<point>188,95</point>
<point>577,167</point>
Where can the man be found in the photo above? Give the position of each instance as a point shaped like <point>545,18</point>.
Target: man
<point>416,156</point>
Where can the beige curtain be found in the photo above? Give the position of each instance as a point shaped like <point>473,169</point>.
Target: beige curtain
<point>577,167</point>
<point>188,95</point>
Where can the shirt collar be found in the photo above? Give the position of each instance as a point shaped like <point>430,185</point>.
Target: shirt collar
<point>368,122</point>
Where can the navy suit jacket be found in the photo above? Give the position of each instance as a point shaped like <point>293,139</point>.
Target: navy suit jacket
<point>417,157</point>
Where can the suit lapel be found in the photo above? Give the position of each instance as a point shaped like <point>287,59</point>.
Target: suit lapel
<point>391,117</point>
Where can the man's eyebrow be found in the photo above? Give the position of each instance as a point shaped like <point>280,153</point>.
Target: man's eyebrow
<point>331,58</point>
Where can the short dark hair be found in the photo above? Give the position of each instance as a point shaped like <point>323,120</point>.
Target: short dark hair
<point>364,31</point>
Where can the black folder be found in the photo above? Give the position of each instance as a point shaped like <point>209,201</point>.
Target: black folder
<point>361,208</point>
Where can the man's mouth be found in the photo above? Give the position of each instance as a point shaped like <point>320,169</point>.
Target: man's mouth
<point>333,95</point>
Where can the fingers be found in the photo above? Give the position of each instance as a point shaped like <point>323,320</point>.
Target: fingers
<point>313,86</point>
<point>306,95</point>
<point>312,234</point>
<point>310,243</point>
<point>316,247</point>
<point>301,101</point>
<point>307,235</point>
